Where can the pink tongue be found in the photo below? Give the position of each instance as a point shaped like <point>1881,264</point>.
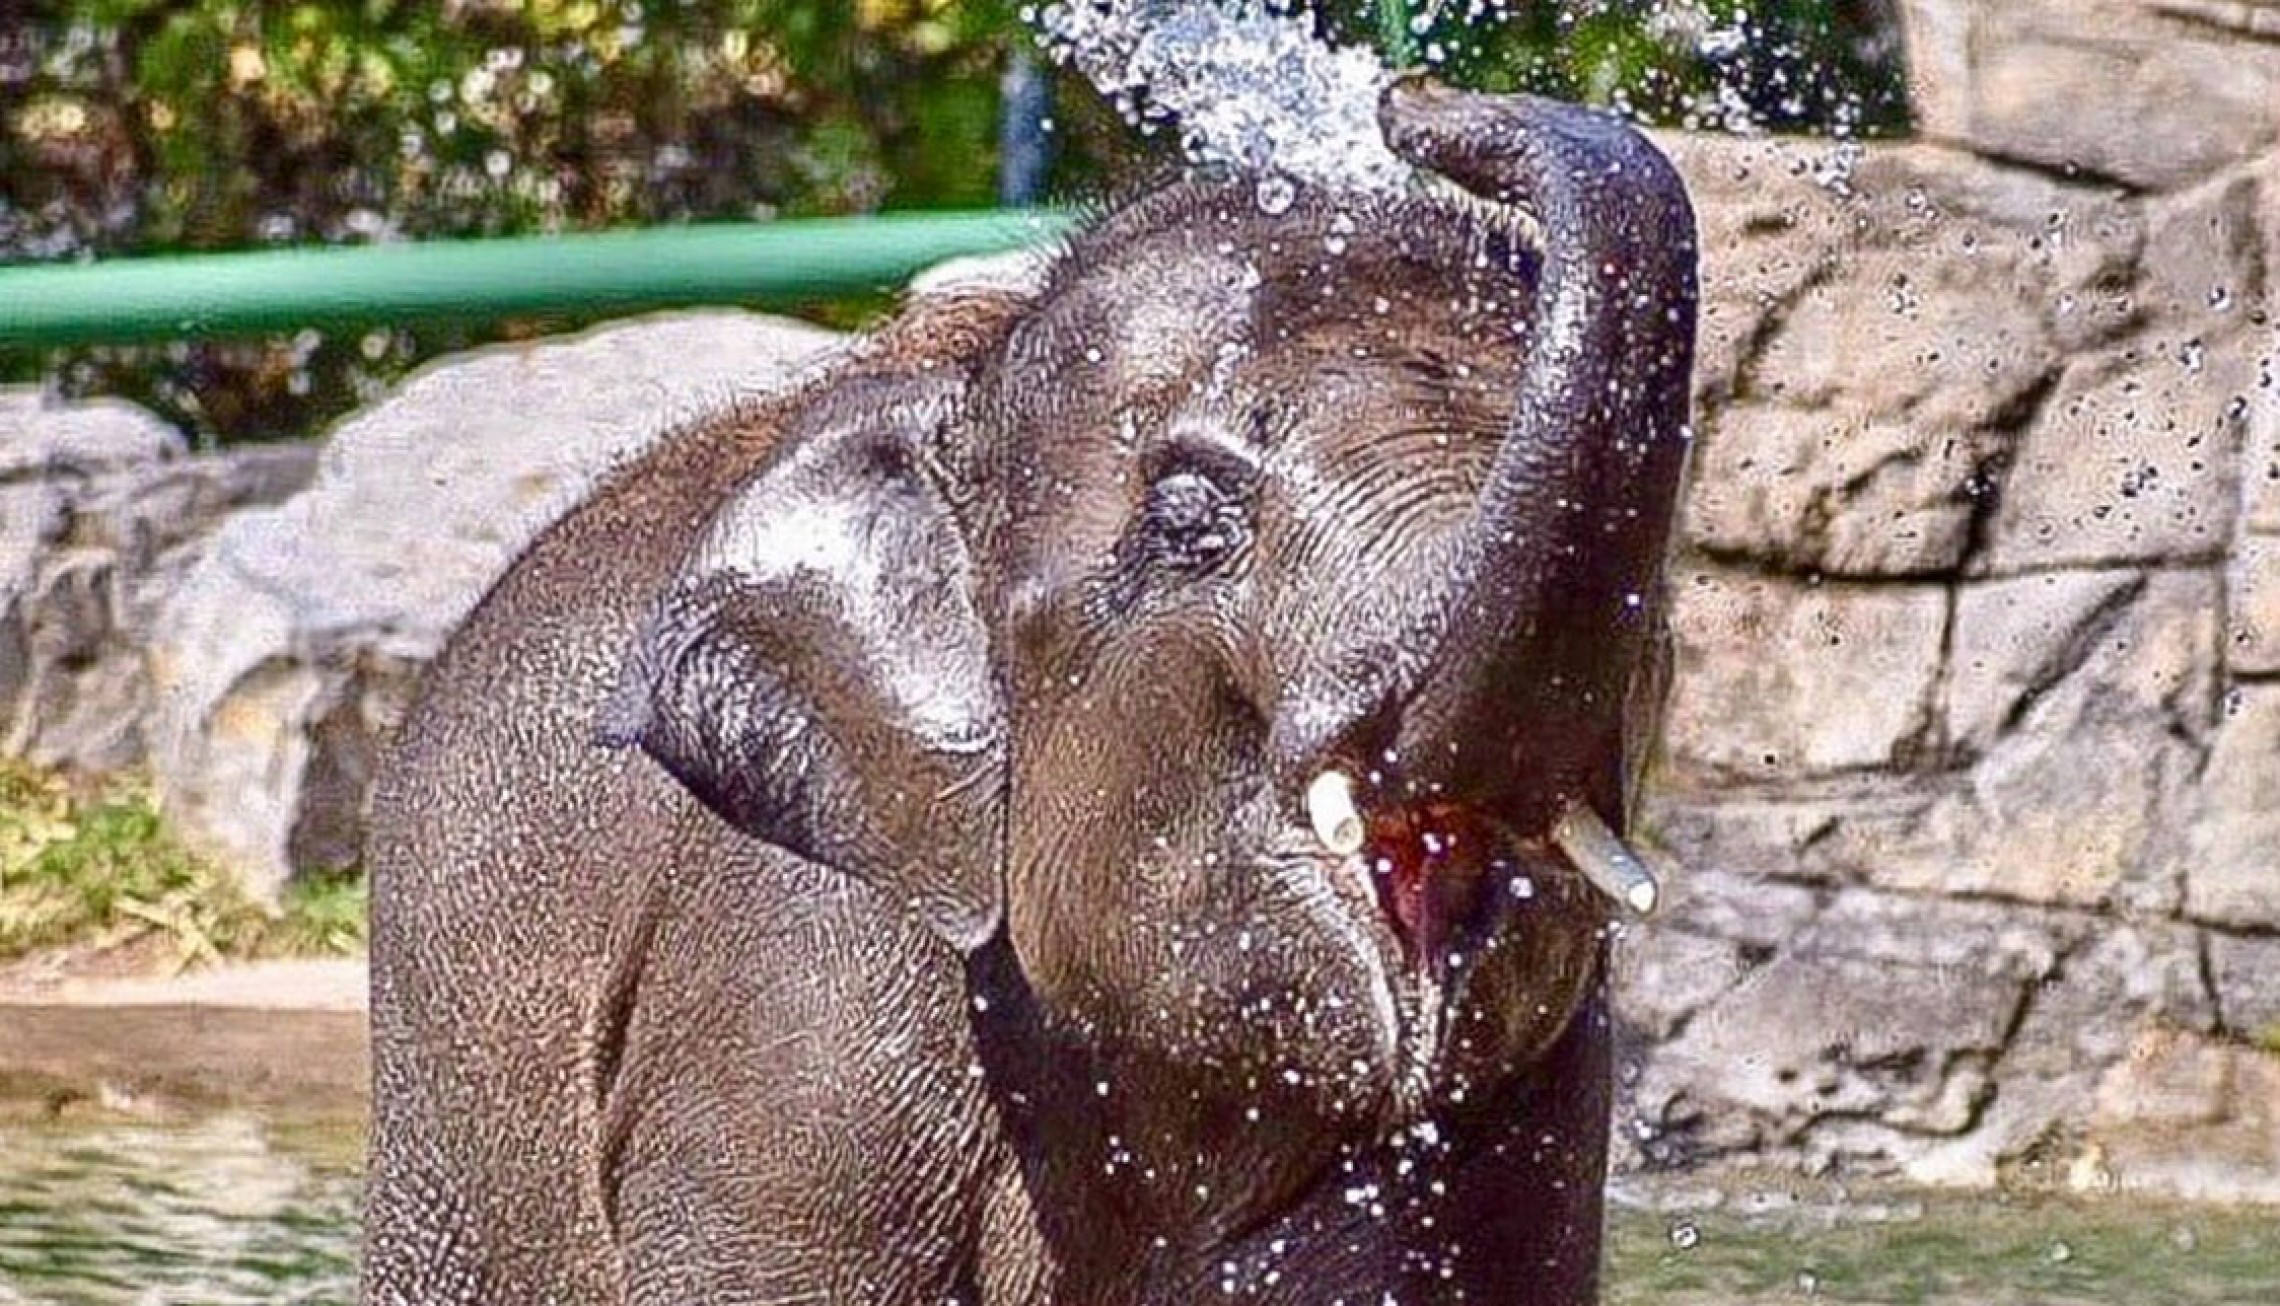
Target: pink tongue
<point>1426,864</point>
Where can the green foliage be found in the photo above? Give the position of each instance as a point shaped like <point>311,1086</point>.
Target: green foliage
<point>1830,66</point>
<point>97,866</point>
<point>139,126</point>
<point>133,126</point>
<point>321,913</point>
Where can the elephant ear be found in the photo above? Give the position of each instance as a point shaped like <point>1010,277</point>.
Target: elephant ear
<point>817,673</point>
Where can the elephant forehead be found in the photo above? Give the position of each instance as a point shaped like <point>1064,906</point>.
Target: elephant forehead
<point>1145,322</point>
<point>1179,318</point>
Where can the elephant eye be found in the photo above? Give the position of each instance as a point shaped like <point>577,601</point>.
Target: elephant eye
<point>1190,521</point>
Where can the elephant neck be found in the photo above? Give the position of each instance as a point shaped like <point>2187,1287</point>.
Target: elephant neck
<point>1141,1185</point>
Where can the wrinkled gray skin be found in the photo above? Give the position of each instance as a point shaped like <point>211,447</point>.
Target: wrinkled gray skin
<point>859,855</point>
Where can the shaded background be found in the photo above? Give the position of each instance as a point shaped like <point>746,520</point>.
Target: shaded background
<point>155,126</point>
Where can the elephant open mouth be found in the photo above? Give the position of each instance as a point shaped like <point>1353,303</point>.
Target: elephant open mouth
<point>1431,866</point>
<point>1442,873</point>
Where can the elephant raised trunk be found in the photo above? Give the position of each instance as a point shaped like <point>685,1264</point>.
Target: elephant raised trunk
<point>1549,602</point>
<point>879,845</point>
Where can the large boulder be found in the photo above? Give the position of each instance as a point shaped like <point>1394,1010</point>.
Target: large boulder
<point>103,510</point>
<point>288,651</point>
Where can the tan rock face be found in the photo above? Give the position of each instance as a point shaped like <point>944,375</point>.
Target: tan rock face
<point>1875,345</point>
<point>2260,446</point>
<point>2246,971</point>
<point>2130,459</point>
<point>2187,1116</point>
<point>2232,862</point>
<point>1848,694</point>
<point>1975,728</point>
<point>102,512</point>
<point>288,650</point>
<point>2149,92</point>
<point>2252,625</point>
<point>1843,494</point>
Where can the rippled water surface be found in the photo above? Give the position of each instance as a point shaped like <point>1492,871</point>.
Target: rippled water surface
<point>230,1210</point>
<point>214,1213</point>
<point>1762,1248</point>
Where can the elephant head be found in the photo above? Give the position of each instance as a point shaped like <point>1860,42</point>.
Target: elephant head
<point>1213,660</point>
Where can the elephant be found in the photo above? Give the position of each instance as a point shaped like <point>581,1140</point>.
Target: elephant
<point>1102,795</point>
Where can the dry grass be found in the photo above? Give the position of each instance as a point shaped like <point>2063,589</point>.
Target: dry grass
<point>93,864</point>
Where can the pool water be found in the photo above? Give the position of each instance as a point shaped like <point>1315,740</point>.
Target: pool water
<point>232,1210</point>
<point>217,1212</point>
<point>1947,1249</point>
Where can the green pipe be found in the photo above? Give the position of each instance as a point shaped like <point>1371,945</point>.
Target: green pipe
<point>205,295</point>
<point>1399,44</point>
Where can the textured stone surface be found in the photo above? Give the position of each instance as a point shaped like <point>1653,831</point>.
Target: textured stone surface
<point>2260,443</point>
<point>42,438</point>
<point>2185,1116</point>
<point>289,649</point>
<point>1977,606</point>
<point>1819,1035</point>
<point>2232,868</point>
<point>2152,92</point>
<point>2076,749</point>
<point>1874,347</point>
<point>1846,692</point>
<point>2016,640</point>
<point>2067,720</point>
<point>1843,495</point>
<point>1666,984</point>
<point>2128,460</point>
<point>2246,971</point>
<point>1914,331</point>
<point>2252,626</point>
<point>2204,269</point>
<point>101,514</point>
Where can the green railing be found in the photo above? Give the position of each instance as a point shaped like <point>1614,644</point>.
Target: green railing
<point>208,295</point>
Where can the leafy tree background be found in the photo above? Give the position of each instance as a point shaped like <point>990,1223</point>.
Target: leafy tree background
<point>151,126</point>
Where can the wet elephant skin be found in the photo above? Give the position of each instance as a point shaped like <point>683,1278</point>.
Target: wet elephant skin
<point>864,853</point>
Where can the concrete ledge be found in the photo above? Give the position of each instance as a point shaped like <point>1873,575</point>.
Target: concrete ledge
<point>327,984</point>
<point>287,1038</point>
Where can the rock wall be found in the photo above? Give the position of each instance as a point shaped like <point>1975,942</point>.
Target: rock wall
<point>1971,776</point>
<point>2150,93</point>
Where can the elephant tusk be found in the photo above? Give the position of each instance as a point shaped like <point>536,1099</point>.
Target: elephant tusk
<point>1330,809</point>
<point>1612,868</point>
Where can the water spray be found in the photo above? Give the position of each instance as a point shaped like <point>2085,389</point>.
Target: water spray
<point>1248,86</point>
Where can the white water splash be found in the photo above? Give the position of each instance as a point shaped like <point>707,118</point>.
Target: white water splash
<point>1245,85</point>
<point>1252,85</point>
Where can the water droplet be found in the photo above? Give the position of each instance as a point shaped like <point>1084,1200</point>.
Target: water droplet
<point>1275,195</point>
